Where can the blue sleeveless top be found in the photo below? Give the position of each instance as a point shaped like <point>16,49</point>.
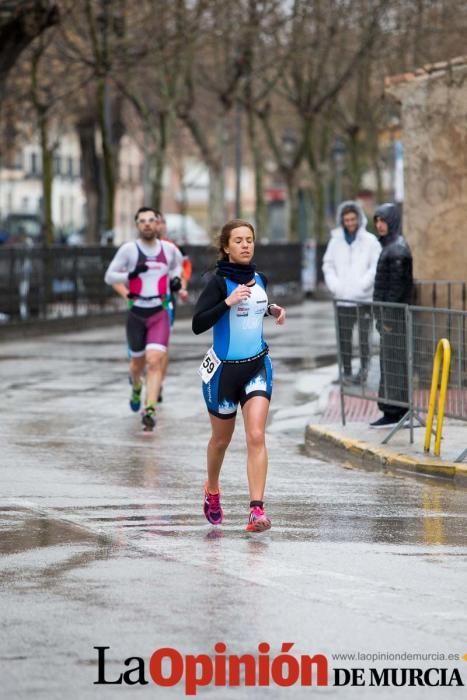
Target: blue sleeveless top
<point>238,334</point>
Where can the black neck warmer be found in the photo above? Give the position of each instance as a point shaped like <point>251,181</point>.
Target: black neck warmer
<point>236,271</point>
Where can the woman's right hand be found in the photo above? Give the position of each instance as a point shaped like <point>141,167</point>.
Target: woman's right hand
<point>240,293</point>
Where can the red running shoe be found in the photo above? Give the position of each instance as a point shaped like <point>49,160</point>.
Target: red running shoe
<point>258,520</point>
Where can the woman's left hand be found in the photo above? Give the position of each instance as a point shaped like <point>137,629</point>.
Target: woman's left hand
<point>278,312</point>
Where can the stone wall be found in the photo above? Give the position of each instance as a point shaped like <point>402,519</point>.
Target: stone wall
<point>434,133</point>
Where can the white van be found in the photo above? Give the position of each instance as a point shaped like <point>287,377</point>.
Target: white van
<point>184,229</point>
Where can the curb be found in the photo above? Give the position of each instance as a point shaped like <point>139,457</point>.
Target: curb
<point>361,453</point>
<point>37,327</point>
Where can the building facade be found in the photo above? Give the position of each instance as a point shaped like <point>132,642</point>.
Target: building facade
<point>434,133</point>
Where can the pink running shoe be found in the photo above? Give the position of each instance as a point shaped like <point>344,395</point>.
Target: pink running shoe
<point>258,521</point>
<point>212,506</point>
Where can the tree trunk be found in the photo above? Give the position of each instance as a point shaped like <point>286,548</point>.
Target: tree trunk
<point>355,170</point>
<point>91,168</point>
<point>376,163</point>
<point>108,169</point>
<point>258,159</point>
<point>47,180</point>
<point>157,171</point>
<point>319,209</point>
<point>379,180</point>
<point>116,134</point>
<point>158,163</point>
<point>216,199</point>
<point>292,196</point>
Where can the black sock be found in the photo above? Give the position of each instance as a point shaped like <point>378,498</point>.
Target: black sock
<point>253,504</point>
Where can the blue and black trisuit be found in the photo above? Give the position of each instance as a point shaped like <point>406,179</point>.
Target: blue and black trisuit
<point>246,369</point>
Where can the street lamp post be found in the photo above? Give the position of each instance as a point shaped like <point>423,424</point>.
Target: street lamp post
<point>289,146</point>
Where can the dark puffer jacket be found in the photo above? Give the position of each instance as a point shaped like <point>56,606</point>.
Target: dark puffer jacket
<point>394,279</point>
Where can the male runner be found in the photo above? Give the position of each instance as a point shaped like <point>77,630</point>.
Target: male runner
<point>145,272</point>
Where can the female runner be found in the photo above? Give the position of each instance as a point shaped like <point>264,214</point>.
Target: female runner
<point>237,368</point>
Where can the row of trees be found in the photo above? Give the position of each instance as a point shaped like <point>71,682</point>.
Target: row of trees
<point>183,75</point>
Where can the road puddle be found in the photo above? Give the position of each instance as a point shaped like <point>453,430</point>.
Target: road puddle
<point>22,529</point>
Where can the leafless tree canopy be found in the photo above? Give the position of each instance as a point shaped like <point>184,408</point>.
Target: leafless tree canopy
<point>21,22</point>
<point>180,76</point>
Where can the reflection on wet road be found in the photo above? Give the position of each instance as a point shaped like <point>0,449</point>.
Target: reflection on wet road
<point>103,540</point>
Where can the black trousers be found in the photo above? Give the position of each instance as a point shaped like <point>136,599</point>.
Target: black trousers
<point>347,317</point>
<point>393,383</point>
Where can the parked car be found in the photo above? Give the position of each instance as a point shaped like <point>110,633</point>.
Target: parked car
<point>22,228</point>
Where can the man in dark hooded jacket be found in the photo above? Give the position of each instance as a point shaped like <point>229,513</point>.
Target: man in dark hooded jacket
<point>393,283</point>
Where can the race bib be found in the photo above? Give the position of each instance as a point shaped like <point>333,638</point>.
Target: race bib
<point>208,367</point>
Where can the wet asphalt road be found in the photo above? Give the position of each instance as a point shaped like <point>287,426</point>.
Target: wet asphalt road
<point>104,543</point>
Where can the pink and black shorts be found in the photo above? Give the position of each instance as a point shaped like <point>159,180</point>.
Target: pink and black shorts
<point>147,329</point>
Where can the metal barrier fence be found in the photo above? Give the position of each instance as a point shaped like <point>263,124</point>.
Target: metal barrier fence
<point>49,283</point>
<point>395,347</point>
<point>444,294</point>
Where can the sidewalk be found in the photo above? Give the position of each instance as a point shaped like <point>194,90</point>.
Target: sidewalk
<point>362,446</point>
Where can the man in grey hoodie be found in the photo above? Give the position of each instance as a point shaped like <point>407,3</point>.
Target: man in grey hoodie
<point>349,268</point>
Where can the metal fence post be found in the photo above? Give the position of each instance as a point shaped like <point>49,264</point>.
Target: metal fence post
<point>463,343</point>
<point>43,282</point>
<point>339,361</point>
<point>460,361</point>
<point>75,281</point>
<point>410,354</point>
<point>11,282</point>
